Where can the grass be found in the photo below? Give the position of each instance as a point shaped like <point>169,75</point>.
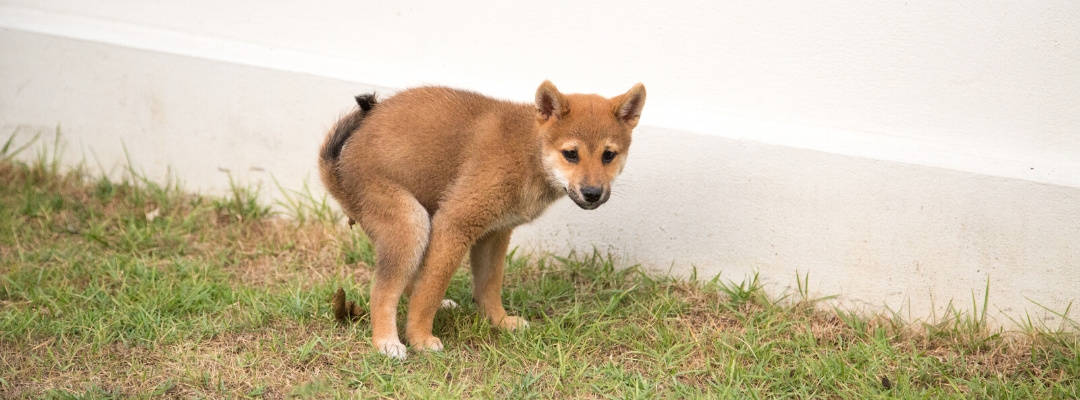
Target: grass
<point>130,288</point>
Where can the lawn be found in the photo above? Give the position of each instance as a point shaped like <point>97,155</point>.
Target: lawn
<point>131,288</point>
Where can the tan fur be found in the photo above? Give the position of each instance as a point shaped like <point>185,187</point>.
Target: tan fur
<point>433,173</point>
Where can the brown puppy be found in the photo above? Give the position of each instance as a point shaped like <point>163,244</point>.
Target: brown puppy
<point>432,173</point>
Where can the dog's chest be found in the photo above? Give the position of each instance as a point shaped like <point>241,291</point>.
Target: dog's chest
<point>530,207</point>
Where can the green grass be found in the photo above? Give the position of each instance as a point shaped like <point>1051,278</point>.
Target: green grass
<point>133,289</point>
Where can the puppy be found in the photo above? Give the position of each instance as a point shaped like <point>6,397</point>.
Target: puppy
<point>433,173</point>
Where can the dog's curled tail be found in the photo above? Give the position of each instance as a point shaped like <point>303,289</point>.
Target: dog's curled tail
<point>335,141</point>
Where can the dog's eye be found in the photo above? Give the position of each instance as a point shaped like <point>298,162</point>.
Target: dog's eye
<point>608,156</point>
<point>570,155</point>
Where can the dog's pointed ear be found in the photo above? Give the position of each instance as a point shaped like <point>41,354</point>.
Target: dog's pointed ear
<point>628,105</point>
<point>549,102</point>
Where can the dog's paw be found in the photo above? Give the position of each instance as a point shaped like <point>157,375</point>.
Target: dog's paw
<point>448,304</point>
<point>391,348</point>
<point>429,343</point>
<point>512,323</point>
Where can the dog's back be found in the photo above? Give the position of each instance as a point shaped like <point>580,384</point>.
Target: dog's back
<point>420,138</point>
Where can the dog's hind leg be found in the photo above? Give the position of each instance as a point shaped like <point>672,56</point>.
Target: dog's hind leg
<point>399,228</point>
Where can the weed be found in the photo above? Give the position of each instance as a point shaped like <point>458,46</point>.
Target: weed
<point>242,204</point>
<point>303,206</point>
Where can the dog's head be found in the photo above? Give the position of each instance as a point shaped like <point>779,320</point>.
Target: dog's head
<point>585,139</point>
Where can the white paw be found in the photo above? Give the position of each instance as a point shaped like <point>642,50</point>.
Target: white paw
<point>511,323</point>
<point>448,304</point>
<point>391,348</point>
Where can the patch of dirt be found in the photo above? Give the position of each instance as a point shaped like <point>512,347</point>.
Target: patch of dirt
<point>263,360</point>
<point>276,250</point>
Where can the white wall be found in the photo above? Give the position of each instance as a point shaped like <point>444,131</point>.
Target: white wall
<point>988,87</point>
<point>720,176</point>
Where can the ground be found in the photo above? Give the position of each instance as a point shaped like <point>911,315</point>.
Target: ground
<point>131,288</point>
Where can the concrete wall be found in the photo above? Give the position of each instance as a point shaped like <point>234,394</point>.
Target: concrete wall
<point>899,153</point>
<point>988,87</point>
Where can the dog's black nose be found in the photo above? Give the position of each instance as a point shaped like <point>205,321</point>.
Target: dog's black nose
<point>592,194</point>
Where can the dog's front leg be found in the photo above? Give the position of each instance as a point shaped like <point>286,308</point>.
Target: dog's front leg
<point>488,257</point>
<point>465,215</point>
<point>450,239</point>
